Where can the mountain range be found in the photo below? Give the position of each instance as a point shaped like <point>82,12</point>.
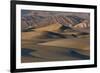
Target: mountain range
<point>53,21</point>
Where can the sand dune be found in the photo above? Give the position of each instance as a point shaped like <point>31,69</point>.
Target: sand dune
<point>82,44</point>
<point>54,36</point>
<point>40,46</point>
<point>52,53</point>
<point>51,27</point>
<point>41,35</point>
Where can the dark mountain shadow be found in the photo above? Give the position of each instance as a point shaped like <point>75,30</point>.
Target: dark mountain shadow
<point>63,28</point>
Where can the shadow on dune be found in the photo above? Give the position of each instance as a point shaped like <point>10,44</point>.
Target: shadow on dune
<point>83,33</point>
<point>54,35</point>
<point>73,53</point>
<point>63,28</point>
<point>51,35</point>
<point>26,52</point>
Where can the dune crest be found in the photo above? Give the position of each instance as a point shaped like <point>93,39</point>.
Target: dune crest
<point>52,27</point>
<point>69,43</point>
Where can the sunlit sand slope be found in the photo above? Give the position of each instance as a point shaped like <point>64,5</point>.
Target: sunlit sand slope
<point>72,43</point>
<point>51,27</point>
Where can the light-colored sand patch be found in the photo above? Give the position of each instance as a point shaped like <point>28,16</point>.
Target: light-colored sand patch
<point>31,35</point>
<point>52,27</point>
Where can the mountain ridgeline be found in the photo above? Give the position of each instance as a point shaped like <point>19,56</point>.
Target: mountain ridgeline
<point>63,22</point>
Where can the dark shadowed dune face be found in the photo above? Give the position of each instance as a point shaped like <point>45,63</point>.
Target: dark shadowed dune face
<point>51,35</point>
<point>69,53</point>
<point>74,53</point>
<point>27,52</point>
<point>65,28</point>
<point>54,36</point>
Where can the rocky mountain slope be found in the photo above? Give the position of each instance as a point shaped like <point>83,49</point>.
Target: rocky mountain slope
<point>52,21</point>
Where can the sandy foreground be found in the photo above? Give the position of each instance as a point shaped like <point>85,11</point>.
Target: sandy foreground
<point>81,44</point>
<point>36,49</point>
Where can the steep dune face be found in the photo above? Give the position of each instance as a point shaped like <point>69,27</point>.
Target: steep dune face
<point>41,35</point>
<point>52,27</point>
<point>69,43</point>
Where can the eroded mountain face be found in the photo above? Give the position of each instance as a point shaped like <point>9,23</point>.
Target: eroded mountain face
<point>35,19</point>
